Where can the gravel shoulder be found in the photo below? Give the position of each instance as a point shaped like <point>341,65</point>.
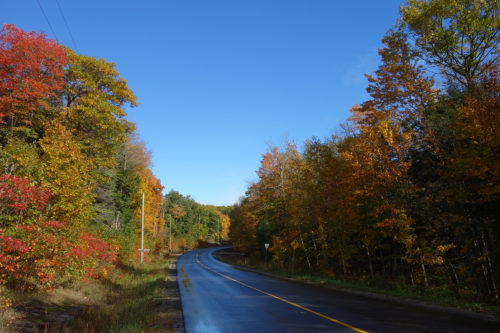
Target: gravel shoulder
<point>168,317</point>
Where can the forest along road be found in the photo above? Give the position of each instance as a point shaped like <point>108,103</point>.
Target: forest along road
<point>219,298</point>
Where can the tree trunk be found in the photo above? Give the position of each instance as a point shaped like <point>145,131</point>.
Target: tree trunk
<point>382,260</point>
<point>116,225</point>
<point>370,264</point>
<point>488,260</point>
<point>424,273</point>
<point>315,248</point>
<point>343,261</point>
<point>485,270</point>
<point>305,251</point>
<point>411,277</point>
<point>455,278</point>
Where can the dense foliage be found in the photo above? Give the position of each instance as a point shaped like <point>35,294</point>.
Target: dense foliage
<point>409,194</point>
<point>72,171</point>
<point>193,223</point>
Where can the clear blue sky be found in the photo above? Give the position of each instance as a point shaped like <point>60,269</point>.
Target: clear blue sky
<point>217,80</point>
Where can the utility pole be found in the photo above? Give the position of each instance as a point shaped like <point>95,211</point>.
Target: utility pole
<point>199,227</point>
<point>142,249</point>
<point>170,232</point>
<point>142,230</point>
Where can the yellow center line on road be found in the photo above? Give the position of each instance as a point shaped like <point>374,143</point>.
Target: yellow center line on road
<point>280,298</point>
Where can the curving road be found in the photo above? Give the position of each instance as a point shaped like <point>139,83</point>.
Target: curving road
<point>219,298</point>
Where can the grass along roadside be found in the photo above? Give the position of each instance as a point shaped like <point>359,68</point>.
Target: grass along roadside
<point>379,285</point>
<point>126,300</point>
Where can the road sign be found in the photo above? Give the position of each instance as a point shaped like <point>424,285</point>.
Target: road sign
<point>294,244</point>
<point>266,245</point>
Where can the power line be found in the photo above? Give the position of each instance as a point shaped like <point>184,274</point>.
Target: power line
<point>47,19</point>
<point>67,26</point>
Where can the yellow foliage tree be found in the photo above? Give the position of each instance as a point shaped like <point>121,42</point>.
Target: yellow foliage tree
<point>154,220</point>
<point>67,176</point>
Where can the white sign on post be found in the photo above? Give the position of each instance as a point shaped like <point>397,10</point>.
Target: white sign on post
<point>266,245</point>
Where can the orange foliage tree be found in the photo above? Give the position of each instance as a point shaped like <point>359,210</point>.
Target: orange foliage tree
<point>409,194</point>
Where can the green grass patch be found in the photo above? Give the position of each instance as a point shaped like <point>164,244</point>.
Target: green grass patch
<point>125,301</point>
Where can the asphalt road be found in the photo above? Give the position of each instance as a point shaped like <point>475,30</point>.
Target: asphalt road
<point>219,298</point>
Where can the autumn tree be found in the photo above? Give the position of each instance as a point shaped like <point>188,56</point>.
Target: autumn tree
<point>328,204</point>
<point>243,230</point>
<point>21,158</point>
<point>193,222</point>
<point>460,38</point>
<point>411,188</point>
<point>455,177</point>
<point>70,170</point>
<point>153,211</point>
<point>31,74</point>
<point>20,201</point>
<point>225,223</point>
<point>92,108</point>
<point>67,176</point>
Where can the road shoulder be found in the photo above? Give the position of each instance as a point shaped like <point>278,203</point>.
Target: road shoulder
<point>378,296</point>
<point>169,316</point>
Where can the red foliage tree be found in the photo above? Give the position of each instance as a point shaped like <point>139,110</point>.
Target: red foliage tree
<point>39,254</point>
<point>20,200</point>
<point>31,72</point>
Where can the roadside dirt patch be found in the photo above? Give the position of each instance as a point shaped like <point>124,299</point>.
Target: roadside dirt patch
<point>40,316</point>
